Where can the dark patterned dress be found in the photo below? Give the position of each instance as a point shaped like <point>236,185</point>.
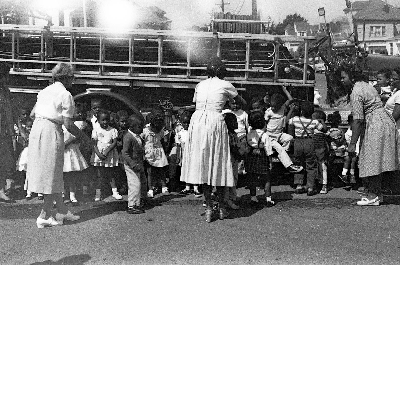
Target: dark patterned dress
<point>379,144</point>
<point>7,159</point>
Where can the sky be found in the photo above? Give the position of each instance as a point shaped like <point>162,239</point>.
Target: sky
<point>185,13</point>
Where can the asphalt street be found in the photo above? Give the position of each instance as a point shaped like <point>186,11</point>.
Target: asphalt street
<point>324,229</point>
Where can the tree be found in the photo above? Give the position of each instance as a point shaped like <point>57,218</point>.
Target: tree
<point>14,11</point>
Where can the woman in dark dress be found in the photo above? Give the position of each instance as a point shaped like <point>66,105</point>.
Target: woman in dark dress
<point>377,132</point>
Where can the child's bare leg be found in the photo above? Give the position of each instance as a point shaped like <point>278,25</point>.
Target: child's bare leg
<point>324,169</point>
<point>346,165</point>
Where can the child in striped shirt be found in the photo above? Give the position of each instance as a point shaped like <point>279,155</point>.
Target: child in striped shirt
<point>302,127</point>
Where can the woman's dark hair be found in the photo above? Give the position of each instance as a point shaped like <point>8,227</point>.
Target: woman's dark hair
<point>307,109</point>
<point>216,68</point>
<point>256,120</point>
<point>355,75</point>
<point>231,121</point>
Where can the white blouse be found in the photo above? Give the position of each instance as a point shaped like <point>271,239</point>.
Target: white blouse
<point>55,102</point>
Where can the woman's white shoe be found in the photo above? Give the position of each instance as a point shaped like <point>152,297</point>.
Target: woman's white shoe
<point>368,202</point>
<point>42,223</point>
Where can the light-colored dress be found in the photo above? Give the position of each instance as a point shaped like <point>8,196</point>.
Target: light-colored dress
<point>206,159</point>
<point>153,150</point>
<point>104,138</point>
<point>22,163</point>
<point>46,140</point>
<point>73,158</point>
<point>379,144</point>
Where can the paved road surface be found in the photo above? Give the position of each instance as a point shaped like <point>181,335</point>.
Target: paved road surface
<point>325,229</point>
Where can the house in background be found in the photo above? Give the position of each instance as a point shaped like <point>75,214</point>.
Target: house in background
<point>377,25</point>
<point>299,30</point>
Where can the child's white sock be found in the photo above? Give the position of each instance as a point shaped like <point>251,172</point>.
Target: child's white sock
<point>352,172</point>
<point>344,172</point>
<point>268,198</point>
<point>98,193</point>
<point>72,196</point>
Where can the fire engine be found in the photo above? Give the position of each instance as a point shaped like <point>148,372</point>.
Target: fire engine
<point>137,68</point>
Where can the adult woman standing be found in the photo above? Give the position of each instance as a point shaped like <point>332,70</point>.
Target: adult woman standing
<point>54,108</point>
<point>206,160</point>
<point>7,161</point>
<point>377,132</point>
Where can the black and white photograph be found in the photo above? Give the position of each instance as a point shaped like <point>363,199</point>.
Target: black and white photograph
<point>199,199</point>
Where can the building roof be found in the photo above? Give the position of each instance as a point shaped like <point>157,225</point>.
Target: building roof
<point>375,10</point>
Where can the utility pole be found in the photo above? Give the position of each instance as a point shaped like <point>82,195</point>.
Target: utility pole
<point>254,11</point>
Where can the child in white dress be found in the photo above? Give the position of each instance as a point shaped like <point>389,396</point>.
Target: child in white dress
<point>74,163</point>
<point>105,155</point>
<point>155,157</point>
<point>181,138</point>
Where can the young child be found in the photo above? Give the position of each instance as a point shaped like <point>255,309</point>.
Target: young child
<point>276,123</point>
<point>154,152</point>
<point>74,163</point>
<point>23,157</point>
<point>303,127</point>
<point>181,138</point>
<point>95,107</point>
<point>350,162</point>
<point>321,149</point>
<point>231,121</point>
<point>133,156</point>
<point>338,143</point>
<point>382,85</point>
<point>258,162</point>
<point>105,155</point>
<point>121,118</point>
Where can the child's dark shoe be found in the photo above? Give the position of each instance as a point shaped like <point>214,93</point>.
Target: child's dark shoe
<point>135,210</point>
<point>352,180</point>
<point>269,203</point>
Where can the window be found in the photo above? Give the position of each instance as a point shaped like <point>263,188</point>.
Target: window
<point>377,31</point>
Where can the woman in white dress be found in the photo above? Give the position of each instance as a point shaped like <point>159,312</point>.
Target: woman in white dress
<point>206,160</point>
<point>54,108</point>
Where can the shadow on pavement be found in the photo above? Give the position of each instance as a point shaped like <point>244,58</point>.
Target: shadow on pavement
<point>78,259</point>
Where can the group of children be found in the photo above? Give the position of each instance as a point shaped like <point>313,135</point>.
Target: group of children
<point>138,156</point>
<point>297,134</point>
